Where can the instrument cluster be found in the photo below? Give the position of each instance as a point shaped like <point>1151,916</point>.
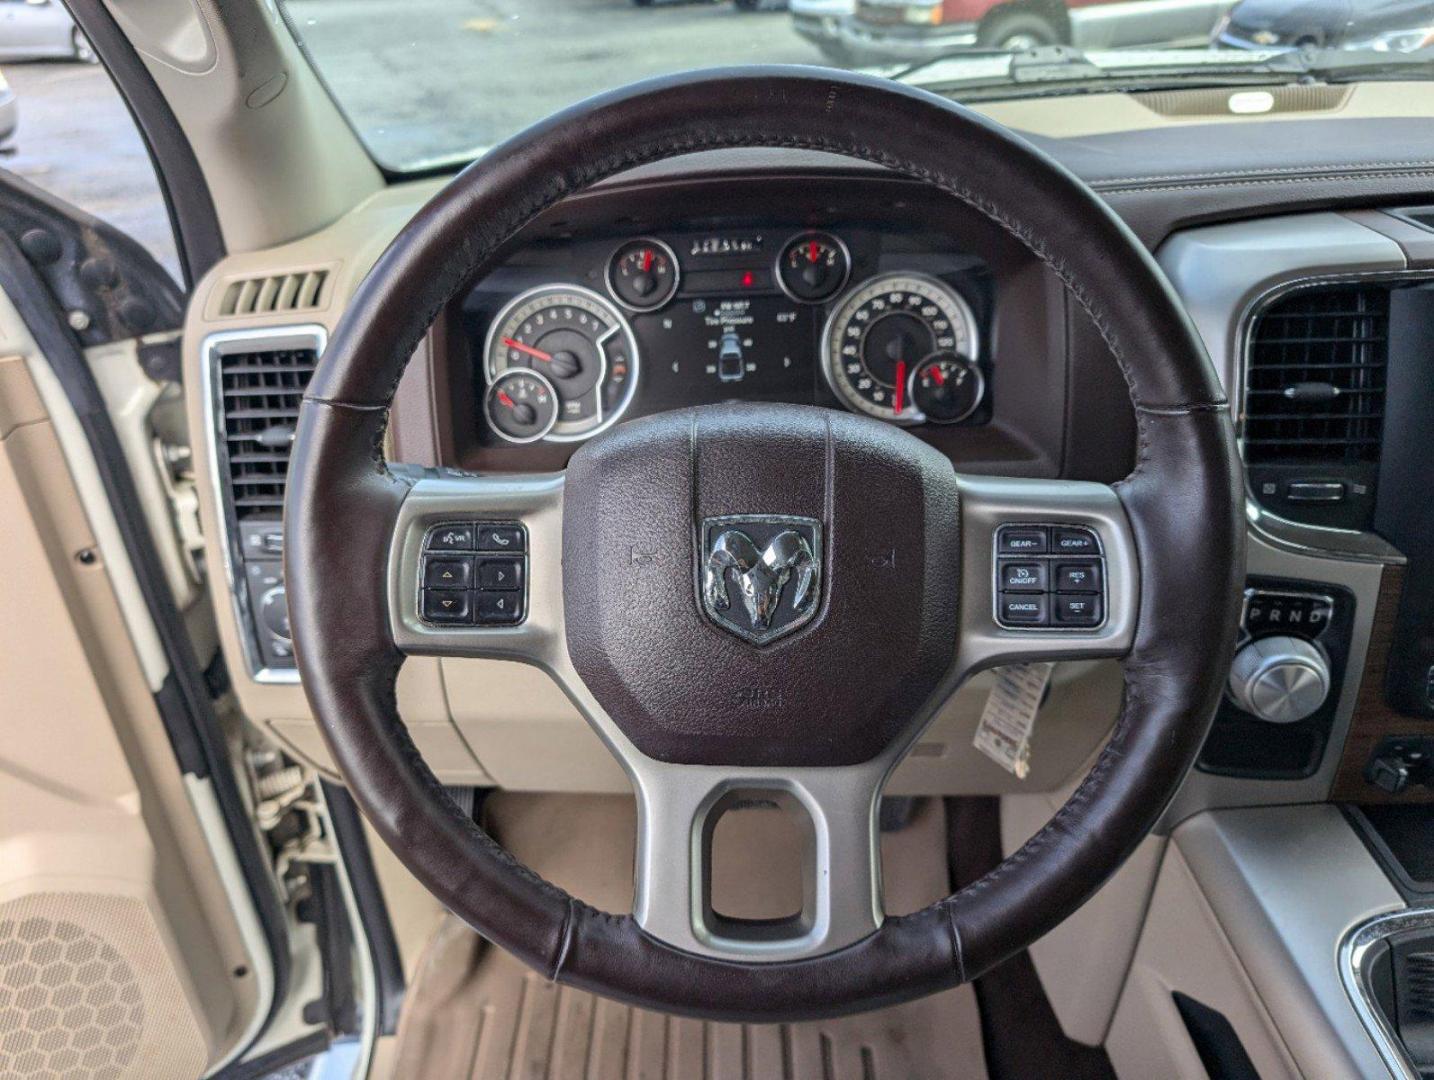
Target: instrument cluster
<point>881,325</point>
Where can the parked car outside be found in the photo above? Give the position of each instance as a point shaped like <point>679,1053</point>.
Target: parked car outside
<point>41,30</point>
<point>9,116</point>
<point>1386,25</point>
<point>913,31</point>
<point>819,21</point>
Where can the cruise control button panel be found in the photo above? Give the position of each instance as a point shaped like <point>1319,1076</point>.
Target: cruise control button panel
<point>1049,577</point>
<point>474,574</point>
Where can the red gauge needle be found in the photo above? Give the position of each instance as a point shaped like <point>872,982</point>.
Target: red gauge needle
<point>646,259</point>
<point>813,249</point>
<point>900,398</point>
<point>536,354</point>
<point>939,376</point>
<point>505,399</point>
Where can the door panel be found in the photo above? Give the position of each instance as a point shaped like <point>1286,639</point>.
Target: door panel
<point>122,954</point>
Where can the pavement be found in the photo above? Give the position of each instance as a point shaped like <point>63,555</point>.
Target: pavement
<point>77,141</point>
<point>423,80</point>
<point>455,76</point>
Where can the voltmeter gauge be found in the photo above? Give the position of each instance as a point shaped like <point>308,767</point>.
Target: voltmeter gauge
<point>522,406</point>
<point>946,388</point>
<point>642,275</point>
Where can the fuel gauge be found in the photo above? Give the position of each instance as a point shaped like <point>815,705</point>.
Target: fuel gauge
<point>946,387</point>
<point>521,405</point>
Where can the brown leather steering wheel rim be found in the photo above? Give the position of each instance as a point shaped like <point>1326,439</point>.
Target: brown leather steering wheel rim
<point>1184,500</point>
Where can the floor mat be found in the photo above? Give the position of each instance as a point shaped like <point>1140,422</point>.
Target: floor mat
<point>474,1012</point>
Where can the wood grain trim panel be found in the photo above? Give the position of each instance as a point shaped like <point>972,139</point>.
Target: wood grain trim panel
<point>1373,719</point>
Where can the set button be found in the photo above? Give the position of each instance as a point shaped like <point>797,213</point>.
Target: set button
<point>1077,610</point>
<point>474,574</point>
<point>1049,576</point>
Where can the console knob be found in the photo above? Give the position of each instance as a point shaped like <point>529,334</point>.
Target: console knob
<point>274,613</point>
<point>1279,679</point>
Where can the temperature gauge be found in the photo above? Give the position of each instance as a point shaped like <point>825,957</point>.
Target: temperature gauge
<point>946,387</point>
<point>813,267</point>
<point>643,274</point>
<point>521,405</point>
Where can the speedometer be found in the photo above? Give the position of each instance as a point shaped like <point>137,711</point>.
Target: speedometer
<point>882,330</point>
<point>580,343</point>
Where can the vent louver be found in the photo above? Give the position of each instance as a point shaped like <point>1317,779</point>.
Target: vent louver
<point>1315,383</point>
<point>1314,402</point>
<point>260,393</point>
<point>302,291</point>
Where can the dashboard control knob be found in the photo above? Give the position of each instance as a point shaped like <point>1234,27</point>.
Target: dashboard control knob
<point>274,613</point>
<point>1279,679</point>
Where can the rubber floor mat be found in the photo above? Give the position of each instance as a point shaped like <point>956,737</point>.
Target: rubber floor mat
<point>475,1012</point>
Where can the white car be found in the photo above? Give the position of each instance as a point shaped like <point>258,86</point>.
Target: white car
<point>819,21</point>
<point>41,30</point>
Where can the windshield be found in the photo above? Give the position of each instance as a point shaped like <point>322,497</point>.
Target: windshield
<point>429,83</point>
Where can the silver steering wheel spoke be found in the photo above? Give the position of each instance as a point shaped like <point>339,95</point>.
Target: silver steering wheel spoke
<point>679,807</point>
<point>475,568</point>
<point>1048,572</point>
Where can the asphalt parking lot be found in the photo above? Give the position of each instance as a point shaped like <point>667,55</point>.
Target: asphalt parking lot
<point>459,75</point>
<point>423,80</point>
<point>76,140</point>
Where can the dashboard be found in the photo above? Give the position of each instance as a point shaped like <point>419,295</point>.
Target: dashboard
<point>880,323</point>
<point>876,298</point>
<point>848,289</point>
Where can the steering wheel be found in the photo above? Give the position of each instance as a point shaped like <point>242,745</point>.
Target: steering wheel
<point>764,601</point>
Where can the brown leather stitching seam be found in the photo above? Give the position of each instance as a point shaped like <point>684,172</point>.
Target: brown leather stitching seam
<point>1185,410</point>
<point>958,953</point>
<point>565,941</point>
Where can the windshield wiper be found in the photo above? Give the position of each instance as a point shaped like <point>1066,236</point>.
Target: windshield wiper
<point>1064,65</point>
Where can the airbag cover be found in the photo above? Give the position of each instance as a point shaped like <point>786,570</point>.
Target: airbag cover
<point>875,640</point>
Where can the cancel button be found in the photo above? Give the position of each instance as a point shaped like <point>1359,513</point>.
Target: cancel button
<point>1024,610</point>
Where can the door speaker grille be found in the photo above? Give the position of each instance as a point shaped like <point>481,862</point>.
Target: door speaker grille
<point>88,992</point>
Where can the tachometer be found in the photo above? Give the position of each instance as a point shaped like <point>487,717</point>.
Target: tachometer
<point>882,330</point>
<point>580,343</point>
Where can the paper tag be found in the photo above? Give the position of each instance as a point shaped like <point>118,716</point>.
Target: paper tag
<point>1004,733</point>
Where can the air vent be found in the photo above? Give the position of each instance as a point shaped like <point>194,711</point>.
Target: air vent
<point>1314,402</point>
<point>276,293</point>
<point>260,393</point>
